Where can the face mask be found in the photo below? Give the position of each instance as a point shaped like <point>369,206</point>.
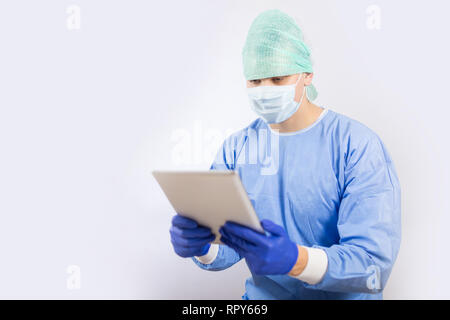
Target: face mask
<point>274,104</point>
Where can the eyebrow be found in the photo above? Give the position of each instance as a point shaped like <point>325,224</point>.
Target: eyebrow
<point>279,77</point>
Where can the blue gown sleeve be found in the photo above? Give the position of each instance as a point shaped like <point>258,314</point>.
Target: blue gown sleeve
<point>369,222</point>
<point>226,256</point>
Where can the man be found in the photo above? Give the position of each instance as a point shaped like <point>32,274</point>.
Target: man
<point>329,200</point>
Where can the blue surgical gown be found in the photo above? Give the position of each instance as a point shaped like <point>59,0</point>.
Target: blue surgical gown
<point>332,186</point>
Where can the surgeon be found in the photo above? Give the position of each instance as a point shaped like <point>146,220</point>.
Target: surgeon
<point>323,185</point>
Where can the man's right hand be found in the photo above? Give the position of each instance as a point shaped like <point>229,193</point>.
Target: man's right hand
<point>188,238</point>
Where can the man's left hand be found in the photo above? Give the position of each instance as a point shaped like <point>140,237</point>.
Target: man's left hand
<point>265,254</point>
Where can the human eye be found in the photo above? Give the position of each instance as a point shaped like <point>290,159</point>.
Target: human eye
<point>277,80</point>
<point>255,82</point>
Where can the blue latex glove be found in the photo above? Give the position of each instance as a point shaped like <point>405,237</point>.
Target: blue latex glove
<point>265,254</point>
<point>189,238</point>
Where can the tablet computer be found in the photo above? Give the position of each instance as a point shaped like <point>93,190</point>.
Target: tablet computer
<point>209,197</point>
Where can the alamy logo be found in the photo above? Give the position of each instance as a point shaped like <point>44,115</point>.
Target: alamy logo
<point>73,21</point>
<point>373,281</point>
<point>74,279</point>
<point>200,146</point>
<point>373,21</point>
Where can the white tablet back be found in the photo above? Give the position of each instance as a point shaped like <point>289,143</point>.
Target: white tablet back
<point>209,197</point>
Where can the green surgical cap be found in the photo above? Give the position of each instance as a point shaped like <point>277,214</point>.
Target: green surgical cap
<point>274,47</point>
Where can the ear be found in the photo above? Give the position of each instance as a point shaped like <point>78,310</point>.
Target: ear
<point>300,87</point>
<point>308,78</point>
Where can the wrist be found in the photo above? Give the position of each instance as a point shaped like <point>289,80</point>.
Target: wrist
<point>302,261</point>
<point>210,256</point>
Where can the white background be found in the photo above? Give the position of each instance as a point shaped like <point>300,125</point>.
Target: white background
<point>86,114</point>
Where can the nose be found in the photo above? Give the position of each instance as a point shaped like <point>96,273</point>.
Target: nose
<point>266,82</point>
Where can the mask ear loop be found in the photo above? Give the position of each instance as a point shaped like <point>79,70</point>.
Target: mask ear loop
<point>311,92</point>
<point>304,87</point>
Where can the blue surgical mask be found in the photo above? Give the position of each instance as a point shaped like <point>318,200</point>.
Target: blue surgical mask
<point>274,104</point>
